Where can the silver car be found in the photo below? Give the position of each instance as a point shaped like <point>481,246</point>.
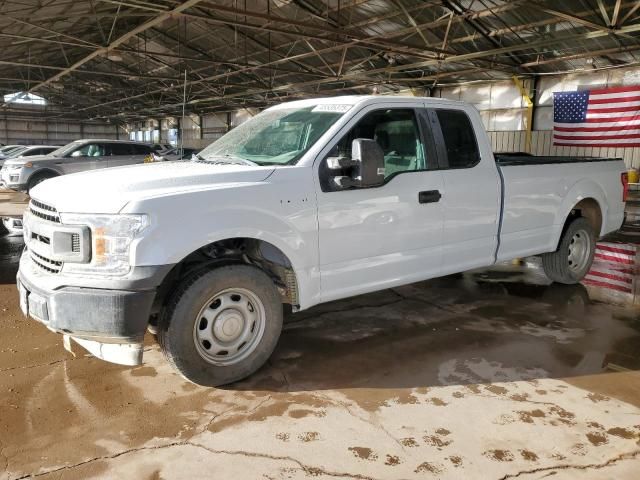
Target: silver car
<point>28,151</point>
<point>90,154</point>
<point>7,149</point>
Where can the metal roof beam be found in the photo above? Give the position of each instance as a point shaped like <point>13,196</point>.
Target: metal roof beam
<point>633,10</point>
<point>119,41</point>
<point>576,19</point>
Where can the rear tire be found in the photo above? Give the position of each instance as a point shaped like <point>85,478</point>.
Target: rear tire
<point>221,325</point>
<point>574,256</point>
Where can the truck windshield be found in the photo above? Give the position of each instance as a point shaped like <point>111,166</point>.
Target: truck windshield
<point>275,137</point>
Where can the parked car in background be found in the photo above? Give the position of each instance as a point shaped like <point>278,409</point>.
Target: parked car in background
<point>6,150</point>
<point>32,150</point>
<point>13,225</point>
<point>307,202</point>
<point>175,153</point>
<point>15,151</point>
<point>79,156</point>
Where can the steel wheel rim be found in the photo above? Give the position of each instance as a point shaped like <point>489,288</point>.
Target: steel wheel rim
<point>579,251</point>
<point>229,326</point>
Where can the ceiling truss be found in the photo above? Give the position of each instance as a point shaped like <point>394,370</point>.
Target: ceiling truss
<point>126,59</point>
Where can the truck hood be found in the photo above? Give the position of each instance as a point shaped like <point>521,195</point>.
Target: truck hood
<point>109,190</point>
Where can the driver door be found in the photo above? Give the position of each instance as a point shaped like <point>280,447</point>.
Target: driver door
<point>380,237</point>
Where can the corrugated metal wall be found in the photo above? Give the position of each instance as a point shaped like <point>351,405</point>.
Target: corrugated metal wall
<point>35,131</point>
<point>542,144</point>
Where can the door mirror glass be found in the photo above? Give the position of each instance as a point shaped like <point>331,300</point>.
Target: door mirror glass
<point>365,168</point>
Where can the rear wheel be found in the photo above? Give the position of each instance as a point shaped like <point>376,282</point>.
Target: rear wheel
<point>574,256</point>
<point>221,325</point>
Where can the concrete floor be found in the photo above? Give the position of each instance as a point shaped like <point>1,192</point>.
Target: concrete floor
<point>489,375</point>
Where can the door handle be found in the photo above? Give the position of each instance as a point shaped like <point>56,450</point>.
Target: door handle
<point>429,196</point>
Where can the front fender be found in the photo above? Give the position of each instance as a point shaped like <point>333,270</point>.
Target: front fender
<point>184,223</point>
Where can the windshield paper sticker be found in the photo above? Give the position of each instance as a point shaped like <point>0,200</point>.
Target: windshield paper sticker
<point>331,107</point>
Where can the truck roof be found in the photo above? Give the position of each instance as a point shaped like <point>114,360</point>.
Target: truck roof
<point>352,100</point>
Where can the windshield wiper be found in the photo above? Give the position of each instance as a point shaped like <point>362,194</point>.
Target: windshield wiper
<point>227,160</point>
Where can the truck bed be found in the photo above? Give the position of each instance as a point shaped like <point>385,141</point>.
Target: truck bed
<point>538,194</point>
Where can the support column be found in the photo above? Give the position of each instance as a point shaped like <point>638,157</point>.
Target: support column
<point>529,117</point>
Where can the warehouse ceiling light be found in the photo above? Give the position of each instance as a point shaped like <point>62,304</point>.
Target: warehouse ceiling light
<point>24,98</point>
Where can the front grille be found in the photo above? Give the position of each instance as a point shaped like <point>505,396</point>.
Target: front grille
<point>50,214</point>
<point>75,243</point>
<point>46,212</point>
<point>45,264</point>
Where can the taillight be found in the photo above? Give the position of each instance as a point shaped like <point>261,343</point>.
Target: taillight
<point>624,178</point>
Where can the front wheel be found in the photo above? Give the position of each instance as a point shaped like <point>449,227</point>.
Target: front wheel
<point>38,179</point>
<point>574,256</point>
<point>221,325</point>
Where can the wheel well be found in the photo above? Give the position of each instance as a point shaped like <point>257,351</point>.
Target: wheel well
<point>44,173</point>
<point>249,251</point>
<point>589,209</point>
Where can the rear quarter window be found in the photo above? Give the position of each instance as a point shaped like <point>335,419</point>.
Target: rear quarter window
<point>459,138</point>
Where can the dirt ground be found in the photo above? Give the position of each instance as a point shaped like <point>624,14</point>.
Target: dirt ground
<point>487,375</point>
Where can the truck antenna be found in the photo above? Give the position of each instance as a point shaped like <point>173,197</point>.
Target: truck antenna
<point>184,102</point>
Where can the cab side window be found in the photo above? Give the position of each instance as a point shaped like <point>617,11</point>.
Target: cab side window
<point>459,138</point>
<point>397,133</point>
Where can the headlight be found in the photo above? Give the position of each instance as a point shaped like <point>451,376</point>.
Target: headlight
<point>111,238</point>
<point>17,167</point>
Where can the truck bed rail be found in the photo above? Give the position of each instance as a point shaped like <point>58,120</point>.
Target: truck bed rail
<point>527,159</point>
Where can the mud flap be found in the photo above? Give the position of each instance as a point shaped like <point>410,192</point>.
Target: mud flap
<point>121,353</point>
<point>66,341</point>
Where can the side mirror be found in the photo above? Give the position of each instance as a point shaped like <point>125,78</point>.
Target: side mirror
<point>365,168</point>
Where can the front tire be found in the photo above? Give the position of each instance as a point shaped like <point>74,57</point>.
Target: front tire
<point>221,325</point>
<point>574,256</point>
<point>37,179</point>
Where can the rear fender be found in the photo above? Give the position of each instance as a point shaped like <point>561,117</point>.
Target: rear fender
<point>581,190</point>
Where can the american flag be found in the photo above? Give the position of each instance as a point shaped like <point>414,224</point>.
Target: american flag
<point>614,267</point>
<point>607,117</point>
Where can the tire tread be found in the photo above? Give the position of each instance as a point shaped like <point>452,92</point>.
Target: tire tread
<point>555,264</point>
<point>188,363</point>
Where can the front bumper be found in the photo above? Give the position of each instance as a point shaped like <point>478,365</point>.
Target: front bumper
<point>108,322</point>
<point>13,179</point>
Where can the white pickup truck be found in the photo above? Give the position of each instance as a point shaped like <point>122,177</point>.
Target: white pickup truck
<point>308,202</point>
